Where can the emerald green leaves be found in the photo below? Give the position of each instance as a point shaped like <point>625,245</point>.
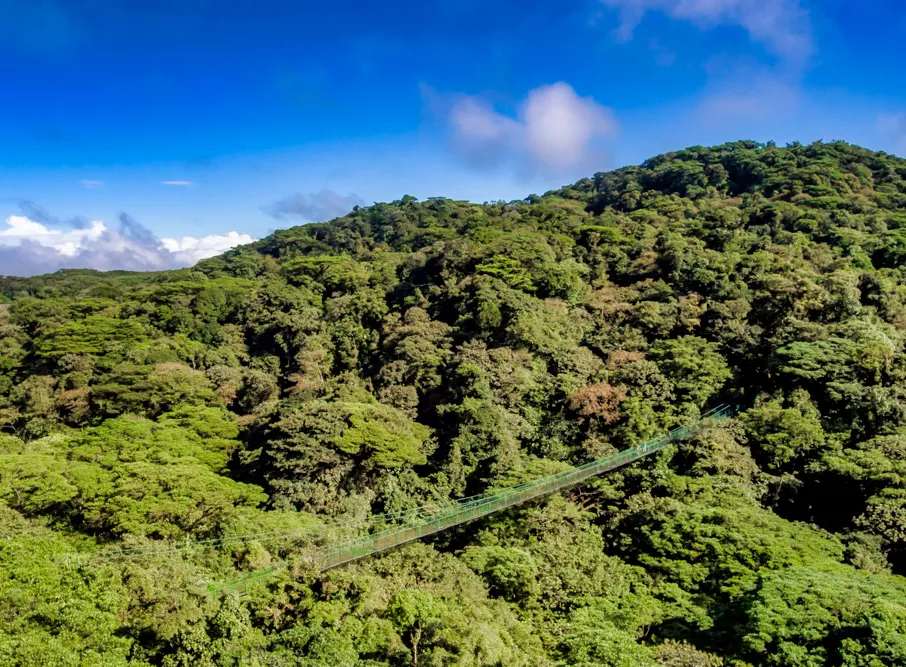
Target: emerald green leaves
<point>171,430</point>
<point>323,450</point>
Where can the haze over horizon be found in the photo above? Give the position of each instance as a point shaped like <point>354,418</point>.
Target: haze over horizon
<point>148,137</point>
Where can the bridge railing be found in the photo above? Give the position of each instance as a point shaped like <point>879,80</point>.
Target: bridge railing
<point>434,521</point>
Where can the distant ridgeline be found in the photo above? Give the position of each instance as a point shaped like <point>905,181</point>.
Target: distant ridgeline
<point>334,388</point>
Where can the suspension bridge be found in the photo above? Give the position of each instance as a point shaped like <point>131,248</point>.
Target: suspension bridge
<point>390,531</point>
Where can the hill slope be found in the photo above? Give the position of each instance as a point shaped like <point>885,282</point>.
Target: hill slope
<point>414,352</point>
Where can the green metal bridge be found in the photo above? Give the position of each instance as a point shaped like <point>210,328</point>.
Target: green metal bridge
<point>427,521</point>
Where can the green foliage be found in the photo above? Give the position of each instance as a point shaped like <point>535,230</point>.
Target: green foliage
<point>163,431</point>
<point>325,449</point>
<point>508,270</point>
<point>96,334</point>
<point>54,611</point>
<point>126,476</point>
<point>781,436</point>
<point>388,437</point>
<point>511,573</point>
<point>813,617</point>
<point>695,367</point>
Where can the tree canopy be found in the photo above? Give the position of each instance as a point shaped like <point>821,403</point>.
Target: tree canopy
<point>163,431</point>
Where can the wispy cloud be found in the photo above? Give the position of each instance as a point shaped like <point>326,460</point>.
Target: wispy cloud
<point>750,96</point>
<point>91,184</point>
<point>782,26</point>
<point>554,129</point>
<point>893,126</point>
<point>38,213</point>
<point>29,247</point>
<point>481,134</point>
<point>314,207</point>
<point>663,57</point>
<point>180,183</point>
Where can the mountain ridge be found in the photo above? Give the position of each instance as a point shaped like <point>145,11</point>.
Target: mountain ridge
<point>412,353</point>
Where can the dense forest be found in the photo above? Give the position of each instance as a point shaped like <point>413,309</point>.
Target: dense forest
<point>416,352</point>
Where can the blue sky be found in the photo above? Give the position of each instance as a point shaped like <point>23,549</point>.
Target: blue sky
<point>195,118</point>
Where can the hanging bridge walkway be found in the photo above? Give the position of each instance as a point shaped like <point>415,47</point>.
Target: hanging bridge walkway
<point>393,530</point>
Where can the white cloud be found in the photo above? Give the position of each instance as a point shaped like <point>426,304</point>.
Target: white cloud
<point>781,25</point>
<point>92,184</point>
<point>182,183</point>
<point>28,247</point>
<point>556,129</point>
<point>559,125</point>
<point>18,226</point>
<point>189,249</point>
<point>65,243</point>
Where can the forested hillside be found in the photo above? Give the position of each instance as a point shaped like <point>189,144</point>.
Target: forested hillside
<point>415,352</point>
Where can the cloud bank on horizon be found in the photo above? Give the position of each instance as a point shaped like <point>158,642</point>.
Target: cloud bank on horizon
<point>29,247</point>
